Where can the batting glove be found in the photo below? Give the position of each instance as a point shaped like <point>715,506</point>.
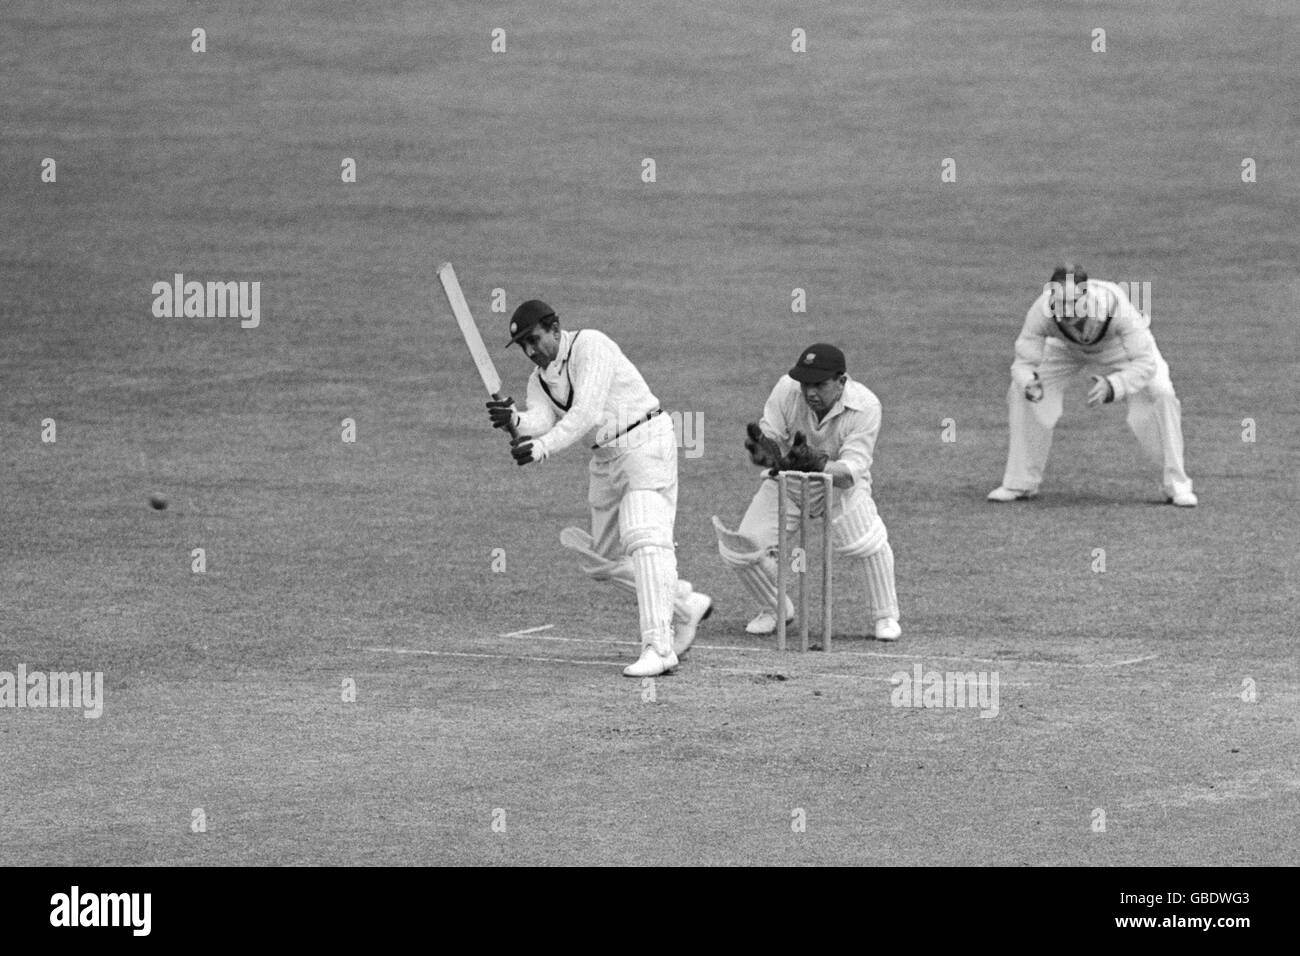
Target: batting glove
<point>503,414</point>
<point>1034,390</point>
<point>524,451</point>
<point>1101,392</point>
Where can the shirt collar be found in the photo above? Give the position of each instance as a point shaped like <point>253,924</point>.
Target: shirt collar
<point>555,370</point>
<point>566,344</point>
<point>849,398</point>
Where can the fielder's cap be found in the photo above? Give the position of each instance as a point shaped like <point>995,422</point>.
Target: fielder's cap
<point>526,317</point>
<point>817,363</point>
<point>1070,269</point>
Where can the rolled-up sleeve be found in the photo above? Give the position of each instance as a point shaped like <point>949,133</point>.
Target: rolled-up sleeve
<point>858,447</point>
<point>775,423</point>
<point>1139,363</point>
<point>1029,344</point>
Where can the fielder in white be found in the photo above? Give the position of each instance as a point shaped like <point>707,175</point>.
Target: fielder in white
<point>816,419</point>
<point>1079,324</point>
<point>584,388</point>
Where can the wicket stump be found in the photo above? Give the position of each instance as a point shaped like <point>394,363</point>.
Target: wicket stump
<point>807,480</point>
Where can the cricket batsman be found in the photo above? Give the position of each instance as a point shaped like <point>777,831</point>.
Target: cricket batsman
<point>1081,324</point>
<point>817,418</point>
<point>585,389</point>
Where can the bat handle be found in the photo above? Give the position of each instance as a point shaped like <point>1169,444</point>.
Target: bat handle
<point>496,397</point>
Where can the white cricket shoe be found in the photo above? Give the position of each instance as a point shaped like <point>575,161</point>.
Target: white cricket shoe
<point>887,629</point>
<point>1003,493</point>
<point>651,663</point>
<point>1183,499</point>
<point>765,622</point>
<point>701,606</point>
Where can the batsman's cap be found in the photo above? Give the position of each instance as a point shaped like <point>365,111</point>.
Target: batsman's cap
<point>817,363</point>
<point>526,316</point>
<point>1070,269</point>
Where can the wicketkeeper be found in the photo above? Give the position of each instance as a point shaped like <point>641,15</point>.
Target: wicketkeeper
<point>816,419</point>
<point>1079,324</point>
<point>584,388</point>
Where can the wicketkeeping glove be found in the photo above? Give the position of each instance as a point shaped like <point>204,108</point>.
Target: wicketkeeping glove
<point>763,451</point>
<point>802,457</point>
<point>1034,390</point>
<point>503,413</point>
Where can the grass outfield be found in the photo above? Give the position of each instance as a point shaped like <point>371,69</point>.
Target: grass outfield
<point>373,562</point>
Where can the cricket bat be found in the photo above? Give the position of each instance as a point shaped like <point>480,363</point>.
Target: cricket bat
<point>477,350</point>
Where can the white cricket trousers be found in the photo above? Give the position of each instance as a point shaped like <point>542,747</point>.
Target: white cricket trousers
<point>1154,415</point>
<point>633,499</point>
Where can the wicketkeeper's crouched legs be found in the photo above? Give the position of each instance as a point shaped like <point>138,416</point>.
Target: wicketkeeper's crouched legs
<point>880,583</point>
<point>755,567</point>
<point>1155,417</point>
<point>750,550</point>
<point>861,539</point>
<point>1031,425</point>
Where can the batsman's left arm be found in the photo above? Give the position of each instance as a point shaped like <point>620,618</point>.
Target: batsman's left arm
<point>593,373</point>
<point>538,418</point>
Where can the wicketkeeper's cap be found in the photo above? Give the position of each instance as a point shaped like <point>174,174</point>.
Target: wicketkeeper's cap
<point>817,363</point>
<point>526,317</point>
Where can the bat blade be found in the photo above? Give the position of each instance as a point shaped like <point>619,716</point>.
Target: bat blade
<point>469,330</point>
